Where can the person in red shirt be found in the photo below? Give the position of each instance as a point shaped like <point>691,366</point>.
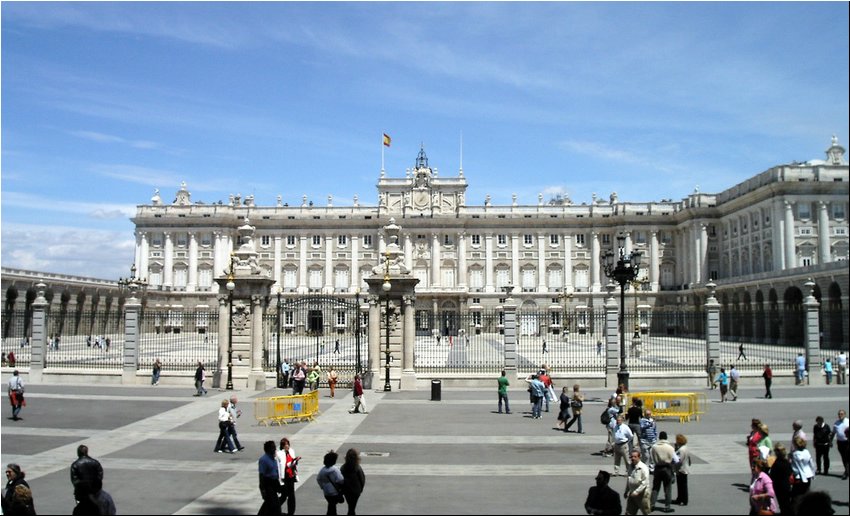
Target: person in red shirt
<point>768,379</point>
<point>358,397</point>
<point>543,376</point>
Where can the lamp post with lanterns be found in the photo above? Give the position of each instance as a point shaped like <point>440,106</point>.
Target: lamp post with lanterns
<point>623,269</point>
<point>277,367</point>
<point>386,287</point>
<point>230,286</point>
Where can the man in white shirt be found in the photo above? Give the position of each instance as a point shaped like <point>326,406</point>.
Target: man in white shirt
<point>841,360</point>
<point>622,437</point>
<point>638,494</point>
<point>16,394</point>
<point>801,370</point>
<point>839,433</point>
<point>734,377</point>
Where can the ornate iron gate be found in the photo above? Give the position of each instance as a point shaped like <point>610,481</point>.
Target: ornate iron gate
<point>325,329</point>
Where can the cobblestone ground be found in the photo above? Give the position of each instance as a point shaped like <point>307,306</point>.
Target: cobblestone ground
<point>420,457</point>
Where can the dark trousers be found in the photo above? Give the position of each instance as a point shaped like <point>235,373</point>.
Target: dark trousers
<point>231,433</point>
<point>268,490</point>
<point>576,417</point>
<point>222,441</point>
<point>505,398</point>
<point>663,476</point>
<point>681,489</point>
<point>842,450</point>
<point>332,503</point>
<point>767,382</point>
<point>287,494</point>
<point>822,454</point>
<point>352,499</point>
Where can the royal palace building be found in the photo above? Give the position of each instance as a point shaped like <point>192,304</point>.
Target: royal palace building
<point>759,241</point>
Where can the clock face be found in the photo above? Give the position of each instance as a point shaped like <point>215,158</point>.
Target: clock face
<point>421,200</point>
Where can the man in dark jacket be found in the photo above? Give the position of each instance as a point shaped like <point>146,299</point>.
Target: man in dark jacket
<point>86,474</point>
<point>601,499</point>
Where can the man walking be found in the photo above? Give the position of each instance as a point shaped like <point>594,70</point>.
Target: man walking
<point>734,376</point>
<point>622,437</point>
<point>284,374</point>
<point>235,413</point>
<point>712,373</point>
<point>662,456</point>
<point>841,361</point>
<point>336,346</point>
<point>358,397</point>
<point>801,368</point>
<point>538,393</point>
<point>637,493</point>
<point>768,380</point>
<point>601,499</point>
<point>503,393</point>
<point>741,352</point>
<point>86,475</point>
<point>269,483</point>
<point>16,394</point>
<point>839,433</point>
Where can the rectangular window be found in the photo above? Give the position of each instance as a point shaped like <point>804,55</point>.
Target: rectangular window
<point>807,261</point>
<point>476,318</point>
<point>448,240</point>
<point>502,240</point>
<point>528,240</point>
<point>290,279</point>
<point>555,279</point>
<point>503,278</point>
<point>554,239</point>
<point>340,318</point>
<point>581,279</point>
<point>317,240</point>
<point>640,237</point>
<point>265,240</point>
<point>315,279</point>
<point>476,278</point>
<point>476,240</point>
<point>289,318</point>
<point>342,240</point>
<point>528,280</point>
<point>606,238</point>
<point>804,211</point>
<point>180,278</point>
<point>290,240</point>
<point>448,278</point>
<point>367,240</point>
<point>206,239</point>
<point>838,211</point>
<point>341,279</point>
<point>182,240</point>
<point>580,239</point>
<point>205,278</point>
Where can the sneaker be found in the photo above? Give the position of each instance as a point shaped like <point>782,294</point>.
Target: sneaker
<point>242,448</point>
<point>219,451</point>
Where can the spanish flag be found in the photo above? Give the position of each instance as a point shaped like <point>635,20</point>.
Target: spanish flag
<point>387,140</point>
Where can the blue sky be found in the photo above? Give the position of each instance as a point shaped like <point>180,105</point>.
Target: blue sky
<point>104,102</point>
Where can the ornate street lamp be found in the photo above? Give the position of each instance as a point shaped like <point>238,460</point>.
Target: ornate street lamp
<point>623,269</point>
<point>386,287</point>
<point>357,328</point>
<point>564,297</point>
<point>230,285</point>
<point>279,377</point>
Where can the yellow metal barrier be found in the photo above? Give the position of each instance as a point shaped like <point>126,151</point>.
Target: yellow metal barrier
<point>682,405</point>
<point>283,409</point>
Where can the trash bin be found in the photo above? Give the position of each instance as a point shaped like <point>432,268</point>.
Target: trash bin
<point>436,388</point>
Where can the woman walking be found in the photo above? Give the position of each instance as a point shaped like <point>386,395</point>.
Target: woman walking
<point>288,471</point>
<point>780,473</point>
<point>200,377</point>
<point>332,379</point>
<point>331,481</point>
<point>577,404</point>
<point>803,468</point>
<point>224,420</point>
<point>683,469</point>
<point>762,497</point>
<point>14,478</point>
<point>564,412</point>
<point>354,477</point>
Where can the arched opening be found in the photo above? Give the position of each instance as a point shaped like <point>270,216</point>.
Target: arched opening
<point>760,317</point>
<point>774,318</point>
<point>793,318</point>
<point>747,317</point>
<point>835,319</point>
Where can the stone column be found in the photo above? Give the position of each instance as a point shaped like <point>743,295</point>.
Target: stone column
<point>778,225</point>
<point>712,327</point>
<point>436,281</point>
<point>790,243</point>
<point>696,268</point>
<point>132,337</point>
<point>568,263</point>
<point>408,252</point>
<point>510,332</point>
<point>168,268</point>
<point>145,256</point>
<point>278,250</point>
<point>541,263</point>
<point>654,262</point>
<point>596,285</point>
<point>192,280</point>
<point>515,280</point>
<point>461,260</point>
<point>303,287</point>
<point>220,376</point>
<point>355,264</point>
<point>489,284</point>
<point>38,343</point>
<point>257,377</point>
<point>811,335</point>
<point>329,269</point>
<point>408,373</point>
<point>824,254</point>
<point>611,333</point>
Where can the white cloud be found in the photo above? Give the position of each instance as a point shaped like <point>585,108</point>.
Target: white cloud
<point>98,211</point>
<point>109,138</point>
<point>66,250</point>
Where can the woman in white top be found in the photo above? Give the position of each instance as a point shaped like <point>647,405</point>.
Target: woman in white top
<point>803,468</point>
<point>223,422</point>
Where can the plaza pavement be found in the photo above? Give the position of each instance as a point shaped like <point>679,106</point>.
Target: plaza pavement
<point>455,456</point>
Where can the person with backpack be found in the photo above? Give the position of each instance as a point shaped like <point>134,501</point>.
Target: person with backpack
<point>608,415</point>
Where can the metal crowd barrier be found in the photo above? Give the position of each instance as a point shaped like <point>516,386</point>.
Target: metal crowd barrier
<point>283,409</point>
<point>682,405</point>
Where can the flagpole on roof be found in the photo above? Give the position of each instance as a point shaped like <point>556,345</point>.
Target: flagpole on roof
<point>382,154</point>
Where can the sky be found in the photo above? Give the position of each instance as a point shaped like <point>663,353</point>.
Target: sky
<point>104,102</point>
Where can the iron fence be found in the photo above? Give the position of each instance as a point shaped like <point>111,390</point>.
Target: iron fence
<point>461,343</point>
<point>16,337</point>
<point>179,339</point>
<point>665,340</point>
<point>577,346</point>
<point>744,344</point>
<point>85,340</point>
